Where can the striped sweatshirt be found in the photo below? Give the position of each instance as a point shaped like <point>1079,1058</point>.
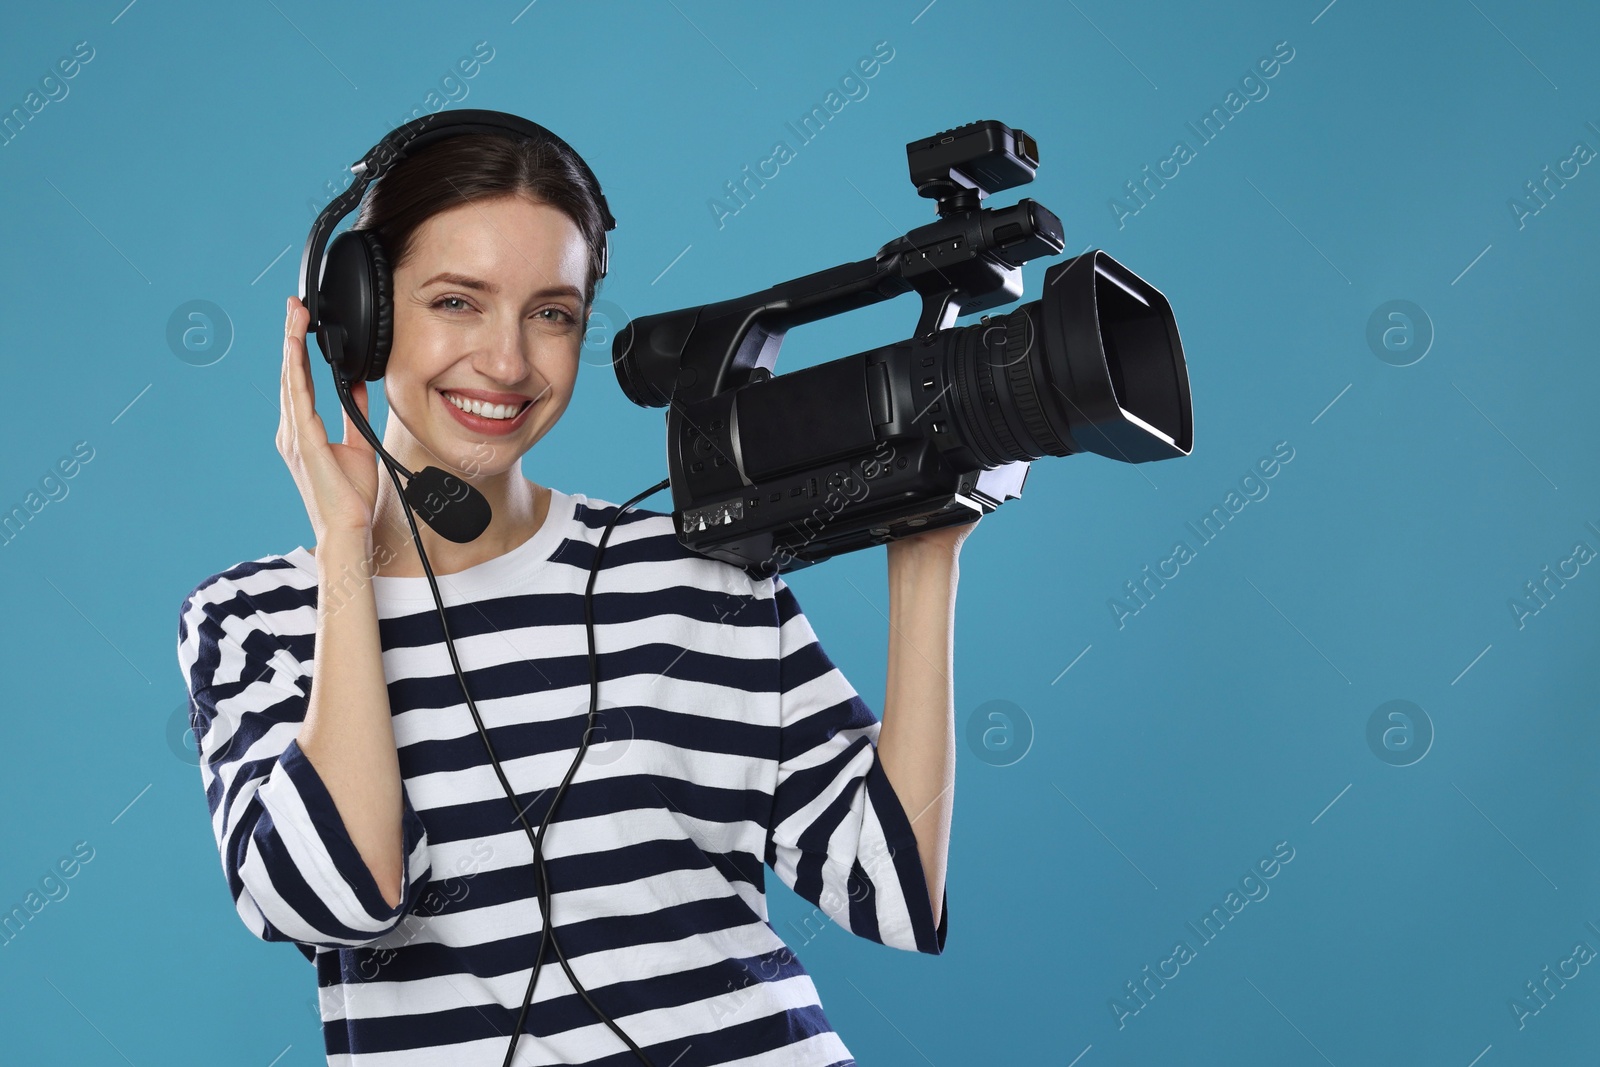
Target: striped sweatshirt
<point>727,741</point>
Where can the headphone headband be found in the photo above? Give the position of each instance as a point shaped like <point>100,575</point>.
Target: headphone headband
<point>405,139</point>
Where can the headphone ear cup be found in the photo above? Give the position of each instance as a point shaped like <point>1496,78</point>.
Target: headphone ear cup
<point>382,307</point>
<point>356,298</point>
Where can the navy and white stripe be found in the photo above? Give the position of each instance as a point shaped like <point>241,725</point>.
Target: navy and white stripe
<point>728,741</point>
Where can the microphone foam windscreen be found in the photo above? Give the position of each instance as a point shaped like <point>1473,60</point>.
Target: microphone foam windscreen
<point>452,506</point>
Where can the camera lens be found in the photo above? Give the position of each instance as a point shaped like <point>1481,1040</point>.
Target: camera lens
<point>1095,365</point>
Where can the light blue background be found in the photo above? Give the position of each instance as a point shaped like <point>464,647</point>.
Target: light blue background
<point>1230,714</point>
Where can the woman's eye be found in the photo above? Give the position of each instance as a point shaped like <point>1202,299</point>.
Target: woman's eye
<point>444,300</point>
<point>562,315</point>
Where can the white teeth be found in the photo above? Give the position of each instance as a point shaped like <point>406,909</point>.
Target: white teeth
<point>488,411</point>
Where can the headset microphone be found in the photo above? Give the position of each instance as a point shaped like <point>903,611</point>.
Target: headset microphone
<point>454,508</point>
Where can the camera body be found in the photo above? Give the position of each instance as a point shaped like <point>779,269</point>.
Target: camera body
<point>776,472</point>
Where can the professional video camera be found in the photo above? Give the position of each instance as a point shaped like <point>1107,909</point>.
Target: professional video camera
<point>775,473</point>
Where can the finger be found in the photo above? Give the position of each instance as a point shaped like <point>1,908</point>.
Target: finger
<point>285,406</point>
<point>302,394</point>
<point>353,436</point>
<point>291,425</point>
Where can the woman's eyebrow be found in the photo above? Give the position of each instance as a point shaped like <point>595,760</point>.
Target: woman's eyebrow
<point>463,280</point>
<point>468,282</point>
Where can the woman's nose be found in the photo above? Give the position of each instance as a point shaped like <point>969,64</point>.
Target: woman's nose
<point>505,357</point>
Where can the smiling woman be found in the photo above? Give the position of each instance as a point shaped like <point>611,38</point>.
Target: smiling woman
<point>347,772</point>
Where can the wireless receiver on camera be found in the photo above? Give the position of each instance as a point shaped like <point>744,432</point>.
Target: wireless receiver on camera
<point>777,472</point>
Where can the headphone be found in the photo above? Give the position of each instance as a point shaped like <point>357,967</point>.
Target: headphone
<point>348,287</point>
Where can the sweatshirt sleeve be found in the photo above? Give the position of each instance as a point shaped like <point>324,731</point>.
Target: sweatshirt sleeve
<point>839,836</point>
<point>291,866</point>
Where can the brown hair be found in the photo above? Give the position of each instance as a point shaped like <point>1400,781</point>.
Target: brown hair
<point>481,166</point>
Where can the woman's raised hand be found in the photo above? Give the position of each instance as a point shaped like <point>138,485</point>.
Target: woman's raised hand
<point>338,482</point>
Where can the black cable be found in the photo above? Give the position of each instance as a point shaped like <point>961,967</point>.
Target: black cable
<point>583,747</point>
<point>548,934</point>
<point>594,703</point>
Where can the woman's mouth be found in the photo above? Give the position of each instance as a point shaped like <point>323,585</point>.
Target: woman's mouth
<point>486,416</point>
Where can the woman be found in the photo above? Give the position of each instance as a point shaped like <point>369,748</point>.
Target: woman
<point>352,801</point>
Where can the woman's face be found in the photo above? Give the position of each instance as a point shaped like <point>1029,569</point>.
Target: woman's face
<point>488,327</point>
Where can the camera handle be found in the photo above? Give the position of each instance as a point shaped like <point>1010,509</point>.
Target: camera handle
<point>958,265</point>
